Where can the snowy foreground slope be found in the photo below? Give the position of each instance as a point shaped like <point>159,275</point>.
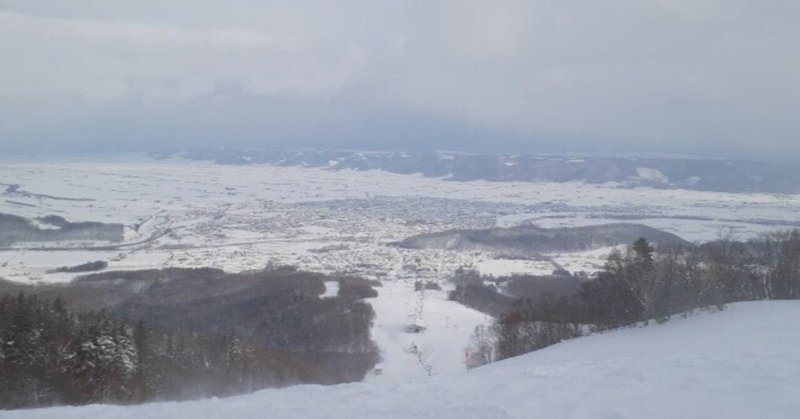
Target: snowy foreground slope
<point>743,362</point>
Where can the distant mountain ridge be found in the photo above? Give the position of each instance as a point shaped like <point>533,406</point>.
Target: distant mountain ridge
<point>14,229</point>
<point>531,240</point>
<point>717,175</point>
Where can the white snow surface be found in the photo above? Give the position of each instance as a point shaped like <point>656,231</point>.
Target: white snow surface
<point>648,173</point>
<point>441,347</point>
<point>742,362</point>
<point>238,218</point>
<point>508,267</point>
<point>331,289</point>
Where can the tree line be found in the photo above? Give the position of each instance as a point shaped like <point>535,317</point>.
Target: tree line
<point>50,355</point>
<point>644,283</point>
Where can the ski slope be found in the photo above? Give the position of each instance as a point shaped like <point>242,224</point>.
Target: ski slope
<point>743,362</point>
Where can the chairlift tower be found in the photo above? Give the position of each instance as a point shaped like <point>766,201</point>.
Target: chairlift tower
<point>419,310</point>
<point>416,323</point>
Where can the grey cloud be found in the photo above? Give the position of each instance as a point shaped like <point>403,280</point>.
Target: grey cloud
<point>114,60</point>
<point>705,76</point>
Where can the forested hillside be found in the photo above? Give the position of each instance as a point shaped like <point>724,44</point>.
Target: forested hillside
<point>643,283</point>
<point>178,334</point>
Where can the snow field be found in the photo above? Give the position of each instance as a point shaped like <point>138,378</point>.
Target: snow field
<point>449,326</point>
<point>739,363</point>
<point>243,217</point>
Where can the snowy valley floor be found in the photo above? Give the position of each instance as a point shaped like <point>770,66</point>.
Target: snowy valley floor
<point>743,362</point>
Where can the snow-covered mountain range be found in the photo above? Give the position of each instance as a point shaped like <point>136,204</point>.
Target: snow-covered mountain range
<point>720,175</point>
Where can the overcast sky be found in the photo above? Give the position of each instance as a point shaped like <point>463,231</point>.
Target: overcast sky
<point>709,77</point>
